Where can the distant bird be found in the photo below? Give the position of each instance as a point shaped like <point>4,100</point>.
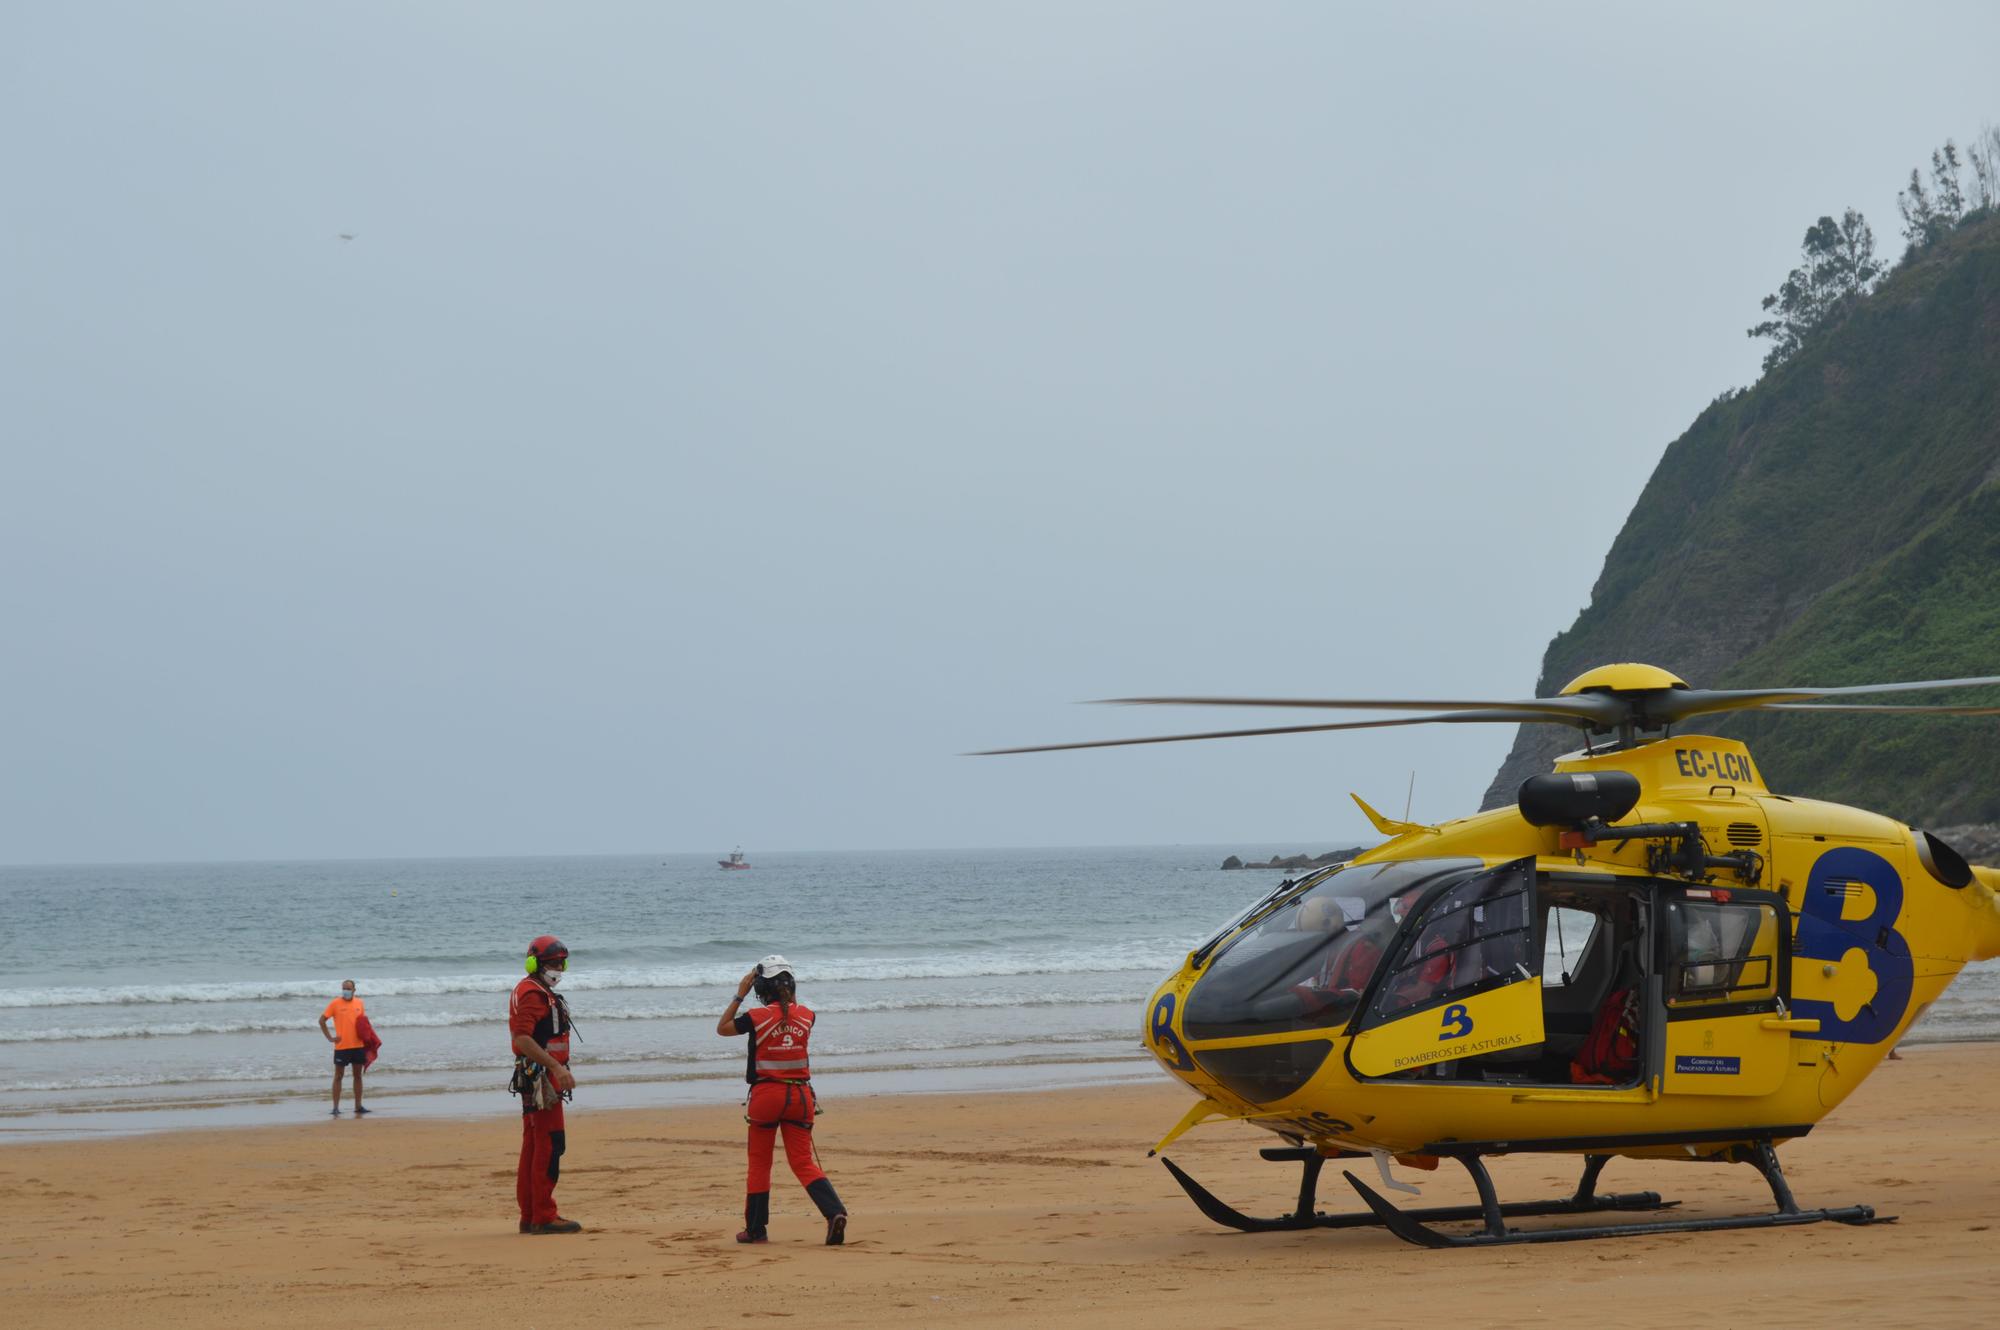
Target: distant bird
<point>347,235</point>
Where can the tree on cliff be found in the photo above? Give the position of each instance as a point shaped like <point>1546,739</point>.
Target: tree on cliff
<point>1837,264</point>
<point>1983,156</point>
<point>1926,216</point>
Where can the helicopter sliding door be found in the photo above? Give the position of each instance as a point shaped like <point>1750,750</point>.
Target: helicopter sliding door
<point>1464,982</point>
<point>1727,965</point>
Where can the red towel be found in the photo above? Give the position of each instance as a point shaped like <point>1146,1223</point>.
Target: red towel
<point>369,1040</point>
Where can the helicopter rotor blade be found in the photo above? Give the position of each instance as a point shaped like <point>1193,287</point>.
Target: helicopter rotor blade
<point>1593,711</point>
<point>1680,704</point>
<point>1881,708</point>
<point>1459,717</point>
<point>1576,710</point>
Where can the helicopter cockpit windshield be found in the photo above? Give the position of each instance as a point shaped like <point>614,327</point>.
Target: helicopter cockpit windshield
<point>1305,964</point>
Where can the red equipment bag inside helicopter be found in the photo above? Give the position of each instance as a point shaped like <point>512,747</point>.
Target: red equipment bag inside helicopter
<point>1610,1052</point>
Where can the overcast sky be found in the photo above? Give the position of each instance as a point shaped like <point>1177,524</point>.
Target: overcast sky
<point>723,416</point>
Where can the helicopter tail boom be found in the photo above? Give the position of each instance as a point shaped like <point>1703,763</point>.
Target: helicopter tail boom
<point>1986,929</point>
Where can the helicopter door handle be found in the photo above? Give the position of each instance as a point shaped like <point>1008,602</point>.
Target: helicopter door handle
<point>1796,1024</point>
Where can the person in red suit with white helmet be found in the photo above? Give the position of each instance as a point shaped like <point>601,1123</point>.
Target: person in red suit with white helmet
<point>781,1096</point>
<point>539,1022</point>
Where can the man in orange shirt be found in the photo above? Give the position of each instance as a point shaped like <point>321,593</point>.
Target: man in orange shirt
<point>346,1012</point>
<point>539,1028</point>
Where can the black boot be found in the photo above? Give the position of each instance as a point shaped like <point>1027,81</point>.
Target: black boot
<point>756,1217</point>
<point>831,1209</point>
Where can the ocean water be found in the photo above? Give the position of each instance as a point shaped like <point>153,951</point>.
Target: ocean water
<point>179,993</point>
<point>183,994</point>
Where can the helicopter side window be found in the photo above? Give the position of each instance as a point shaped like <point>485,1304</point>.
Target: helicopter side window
<point>1721,952</point>
<point>1477,935</point>
<point>1567,934</point>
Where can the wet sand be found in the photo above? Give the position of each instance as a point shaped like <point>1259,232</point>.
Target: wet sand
<point>992,1209</point>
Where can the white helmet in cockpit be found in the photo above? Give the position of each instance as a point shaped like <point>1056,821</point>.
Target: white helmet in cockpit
<point>1319,914</point>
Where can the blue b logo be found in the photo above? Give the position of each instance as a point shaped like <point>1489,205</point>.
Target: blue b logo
<point>1455,1016</point>
<point>1165,1044</point>
<point>1824,935</point>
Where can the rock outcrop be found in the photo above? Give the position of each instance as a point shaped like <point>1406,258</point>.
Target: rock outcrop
<point>1291,863</point>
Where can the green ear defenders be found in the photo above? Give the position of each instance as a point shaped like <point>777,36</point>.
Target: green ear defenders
<point>542,950</point>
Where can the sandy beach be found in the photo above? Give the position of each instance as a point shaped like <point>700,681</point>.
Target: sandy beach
<point>991,1209</point>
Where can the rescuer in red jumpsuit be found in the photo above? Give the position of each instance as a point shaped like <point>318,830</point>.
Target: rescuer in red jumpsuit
<point>538,1020</point>
<point>781,1096</point>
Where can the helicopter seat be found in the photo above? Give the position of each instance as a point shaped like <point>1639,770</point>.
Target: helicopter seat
<point>1569,1013</point>
<point>1335,991</point>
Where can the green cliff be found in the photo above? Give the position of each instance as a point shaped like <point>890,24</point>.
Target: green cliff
<point>1837,523</point>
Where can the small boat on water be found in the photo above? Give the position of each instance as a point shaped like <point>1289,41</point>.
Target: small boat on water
<point>735,860</point>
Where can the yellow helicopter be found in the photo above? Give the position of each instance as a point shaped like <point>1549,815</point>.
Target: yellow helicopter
<point>1649,955</point>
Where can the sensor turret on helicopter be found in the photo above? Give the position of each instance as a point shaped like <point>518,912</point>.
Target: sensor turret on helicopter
<point>1649,955</point>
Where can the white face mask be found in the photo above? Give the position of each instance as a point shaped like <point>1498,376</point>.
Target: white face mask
<point>347,993</point>
<point>552,977</point>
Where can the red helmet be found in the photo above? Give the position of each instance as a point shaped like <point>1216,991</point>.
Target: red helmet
<point>544,950</point>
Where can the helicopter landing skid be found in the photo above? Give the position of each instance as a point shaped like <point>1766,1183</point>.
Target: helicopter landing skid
<point>1411,1225</point>
<point>1381,1213</point>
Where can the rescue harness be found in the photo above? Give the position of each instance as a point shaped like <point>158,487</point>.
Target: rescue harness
<point>531,1080</point>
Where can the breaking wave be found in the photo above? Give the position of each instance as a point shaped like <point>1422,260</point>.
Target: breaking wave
<point>1153,956</point>
<point>641,1012</point>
